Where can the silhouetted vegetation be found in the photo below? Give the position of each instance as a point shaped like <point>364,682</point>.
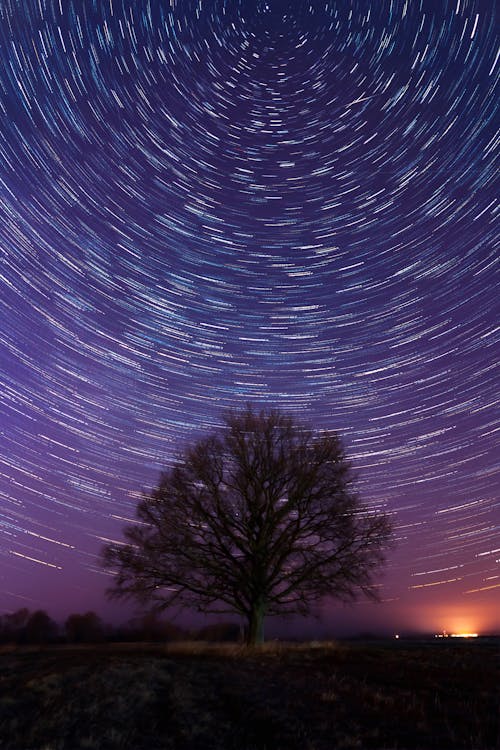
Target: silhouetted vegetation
<point>150,627</point>
<point>87,628</point>
<point>40,628</point>
<point>12,626</point>
<point>23,626</point>
<point>259,518</point>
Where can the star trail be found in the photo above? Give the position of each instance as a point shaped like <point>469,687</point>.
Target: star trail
<point>204,203</point>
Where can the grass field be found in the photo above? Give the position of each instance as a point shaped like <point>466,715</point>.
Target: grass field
<point>279,697</point>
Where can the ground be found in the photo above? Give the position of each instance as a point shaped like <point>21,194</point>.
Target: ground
<point>385,695</point>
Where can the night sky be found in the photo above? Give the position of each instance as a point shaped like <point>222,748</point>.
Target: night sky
<point>213,202</point>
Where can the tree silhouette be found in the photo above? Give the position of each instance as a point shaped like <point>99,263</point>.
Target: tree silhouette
<point>12,625</point>
<point>40,627</point>
<point>258,518</point>
<point>87,628</point>
<point>149,626</point>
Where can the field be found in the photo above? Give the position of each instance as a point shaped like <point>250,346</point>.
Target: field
<point>280,697</point>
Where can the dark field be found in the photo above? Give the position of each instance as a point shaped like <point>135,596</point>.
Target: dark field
<point>187,697</point>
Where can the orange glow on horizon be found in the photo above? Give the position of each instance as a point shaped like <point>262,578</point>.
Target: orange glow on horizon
<point>482,618</point>
<point>461,626</point>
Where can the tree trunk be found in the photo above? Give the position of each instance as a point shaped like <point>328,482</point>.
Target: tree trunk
<point>255,629</point>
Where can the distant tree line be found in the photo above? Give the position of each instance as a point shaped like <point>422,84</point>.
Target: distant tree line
<point>24,627</point>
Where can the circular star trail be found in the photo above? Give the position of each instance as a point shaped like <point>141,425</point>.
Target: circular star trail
<point>213,202</point>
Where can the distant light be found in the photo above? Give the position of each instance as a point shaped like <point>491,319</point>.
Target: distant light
<point>464,635</point>
<point>396,636</point>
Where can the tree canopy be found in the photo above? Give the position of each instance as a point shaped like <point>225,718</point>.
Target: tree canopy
<point>257,518</point>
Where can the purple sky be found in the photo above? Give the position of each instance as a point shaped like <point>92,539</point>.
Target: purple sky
<point>213,202</point>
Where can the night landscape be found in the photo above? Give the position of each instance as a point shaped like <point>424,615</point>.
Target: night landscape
<point>249,375</point>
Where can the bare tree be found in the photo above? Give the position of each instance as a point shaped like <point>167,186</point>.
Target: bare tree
<point>259,518</point>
